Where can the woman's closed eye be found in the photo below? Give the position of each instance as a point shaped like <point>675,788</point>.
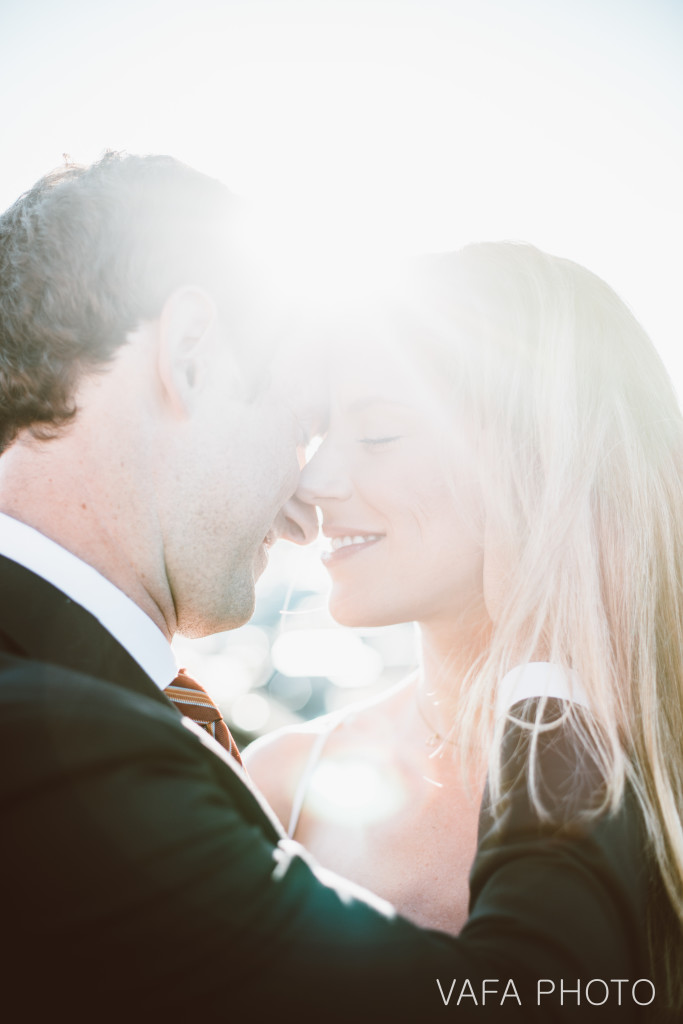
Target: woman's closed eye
<point>379,441</point>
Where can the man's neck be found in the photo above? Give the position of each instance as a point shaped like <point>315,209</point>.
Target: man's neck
<point>62,489</point>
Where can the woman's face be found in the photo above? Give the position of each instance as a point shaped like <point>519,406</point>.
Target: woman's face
<point>396,481</point>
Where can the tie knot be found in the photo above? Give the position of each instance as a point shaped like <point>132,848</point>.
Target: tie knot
<point>192,700</point>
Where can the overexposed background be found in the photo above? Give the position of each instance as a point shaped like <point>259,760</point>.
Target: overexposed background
<point>406,124</point>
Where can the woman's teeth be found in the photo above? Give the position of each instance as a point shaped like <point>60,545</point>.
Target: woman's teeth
<point>344,542</point>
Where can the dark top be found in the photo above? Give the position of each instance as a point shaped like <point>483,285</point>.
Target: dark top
<point>143,879</point>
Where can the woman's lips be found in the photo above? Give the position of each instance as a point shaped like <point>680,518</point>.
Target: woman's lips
<point>345,545</point>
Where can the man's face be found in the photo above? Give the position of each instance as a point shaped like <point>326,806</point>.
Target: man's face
<point>241,467</point>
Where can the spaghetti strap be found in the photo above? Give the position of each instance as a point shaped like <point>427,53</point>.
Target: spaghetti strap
<point>310,766</point>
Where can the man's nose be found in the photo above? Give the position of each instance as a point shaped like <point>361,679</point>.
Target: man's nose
<point>298,521</point>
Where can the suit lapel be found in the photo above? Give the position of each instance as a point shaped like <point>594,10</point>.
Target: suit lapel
<point>39,622</point>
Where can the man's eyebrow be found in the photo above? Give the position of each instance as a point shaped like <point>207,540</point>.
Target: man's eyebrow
<point>361,404</point>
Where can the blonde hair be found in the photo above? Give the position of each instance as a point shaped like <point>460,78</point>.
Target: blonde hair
<point>582,459</point>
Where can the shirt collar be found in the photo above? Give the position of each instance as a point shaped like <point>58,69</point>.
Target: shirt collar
<point>116,612</point>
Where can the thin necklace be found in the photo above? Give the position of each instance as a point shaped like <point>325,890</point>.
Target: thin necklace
<point>435,739</point>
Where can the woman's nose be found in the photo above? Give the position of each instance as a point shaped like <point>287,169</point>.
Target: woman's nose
<point>325,478</point>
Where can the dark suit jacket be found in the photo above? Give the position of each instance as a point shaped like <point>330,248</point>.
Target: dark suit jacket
<point>144,880</point>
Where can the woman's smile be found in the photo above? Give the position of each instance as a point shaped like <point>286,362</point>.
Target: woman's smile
<point>347,543</point>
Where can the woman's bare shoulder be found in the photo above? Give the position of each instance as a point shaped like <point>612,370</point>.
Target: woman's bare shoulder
<point>277,761</point>
<point>287,743</point>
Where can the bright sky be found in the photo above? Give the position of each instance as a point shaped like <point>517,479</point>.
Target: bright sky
<point>416,124</point>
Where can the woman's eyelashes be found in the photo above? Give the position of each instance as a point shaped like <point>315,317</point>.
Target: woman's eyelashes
<point>378,442</point>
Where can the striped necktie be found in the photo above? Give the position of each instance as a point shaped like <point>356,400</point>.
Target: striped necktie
<point>192,700</point>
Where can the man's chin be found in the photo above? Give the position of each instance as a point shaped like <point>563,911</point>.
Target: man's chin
<point>234,618</point>
<point>236,608</point>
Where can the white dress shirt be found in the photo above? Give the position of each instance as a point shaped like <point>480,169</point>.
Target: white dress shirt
<point>116,612</point>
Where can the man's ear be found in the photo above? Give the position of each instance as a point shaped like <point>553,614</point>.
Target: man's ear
<point>186,335</point>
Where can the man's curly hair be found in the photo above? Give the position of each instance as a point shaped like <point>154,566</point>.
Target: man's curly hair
<point>85,256</point>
